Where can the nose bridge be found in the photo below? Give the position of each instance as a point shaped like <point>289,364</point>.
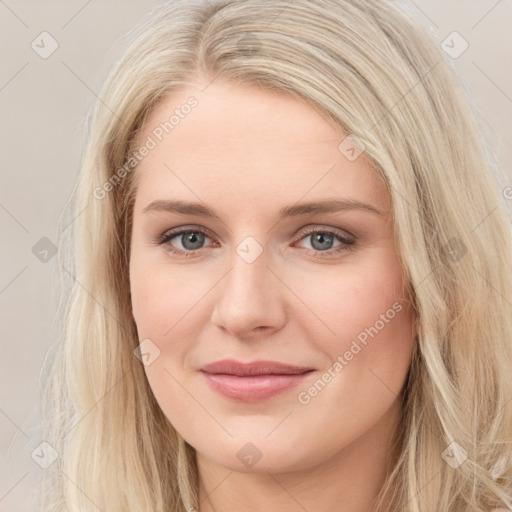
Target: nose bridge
<point>248,279</point>
<point>248,298</point>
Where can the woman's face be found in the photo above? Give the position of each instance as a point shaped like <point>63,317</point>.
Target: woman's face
<point>265,275</point>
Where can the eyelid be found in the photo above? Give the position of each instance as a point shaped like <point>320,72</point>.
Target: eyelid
<point>172,233</point>
<point>305,230</point>
<point>326,229</point>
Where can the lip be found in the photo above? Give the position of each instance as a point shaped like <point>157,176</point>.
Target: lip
<point>251,382</point>
<point>263,367</point>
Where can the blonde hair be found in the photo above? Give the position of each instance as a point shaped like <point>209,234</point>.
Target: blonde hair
<point>377,73</point>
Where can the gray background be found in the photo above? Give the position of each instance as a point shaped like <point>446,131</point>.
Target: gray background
<point>44,102</point>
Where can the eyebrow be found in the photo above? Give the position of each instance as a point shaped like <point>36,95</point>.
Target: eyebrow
<point>309,208</point>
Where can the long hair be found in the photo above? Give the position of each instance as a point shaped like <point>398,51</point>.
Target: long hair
<point>379,75</point>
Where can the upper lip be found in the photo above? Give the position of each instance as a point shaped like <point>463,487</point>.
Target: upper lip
<point>232,367</point>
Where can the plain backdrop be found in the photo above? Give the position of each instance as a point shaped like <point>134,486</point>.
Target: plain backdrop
<point>44,101</point>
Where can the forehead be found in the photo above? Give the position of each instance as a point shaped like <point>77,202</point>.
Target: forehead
<point>246,144</point>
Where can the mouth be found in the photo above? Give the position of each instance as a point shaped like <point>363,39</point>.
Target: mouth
<point>241,369</point>
<point>252,382</point>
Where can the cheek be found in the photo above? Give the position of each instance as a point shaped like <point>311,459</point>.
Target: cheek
<point>368,346</point>
<point>362,320</point>
<point>161,312</point>
<point>349,299</point>
<point>164,302</point>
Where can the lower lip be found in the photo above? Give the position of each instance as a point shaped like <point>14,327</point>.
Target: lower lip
<point>253,388</point>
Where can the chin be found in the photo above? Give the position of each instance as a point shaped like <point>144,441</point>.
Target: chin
<point>259,455</point>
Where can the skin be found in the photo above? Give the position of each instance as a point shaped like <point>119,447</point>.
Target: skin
<point>246,153</point>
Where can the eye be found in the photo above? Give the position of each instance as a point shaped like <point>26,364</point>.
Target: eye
<point>193,239</point>
<point>322,240</point>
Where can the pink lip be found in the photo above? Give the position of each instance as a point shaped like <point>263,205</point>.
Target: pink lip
<point>254,381</point>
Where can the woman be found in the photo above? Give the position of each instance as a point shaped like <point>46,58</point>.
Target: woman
<point>294,274</point>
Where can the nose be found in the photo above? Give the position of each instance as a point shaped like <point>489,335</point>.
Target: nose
<point>249,302</point>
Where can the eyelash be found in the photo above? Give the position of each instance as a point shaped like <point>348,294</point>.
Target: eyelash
<point>346,244</point>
